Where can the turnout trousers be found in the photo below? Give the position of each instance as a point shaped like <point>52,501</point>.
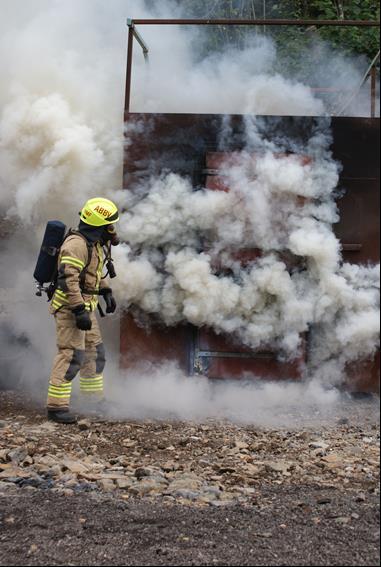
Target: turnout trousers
<point>78,351</point>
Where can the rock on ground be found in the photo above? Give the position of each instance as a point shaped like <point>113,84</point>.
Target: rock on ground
<point>183,493</point>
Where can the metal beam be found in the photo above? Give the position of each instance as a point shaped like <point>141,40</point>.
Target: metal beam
<point>142,44</point>
<point>266,22</point>
<point>132,33</point>
<point>373,91</point>
<point>129,68</point>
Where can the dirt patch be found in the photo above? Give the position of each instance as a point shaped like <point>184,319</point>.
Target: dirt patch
<point>290,526</point>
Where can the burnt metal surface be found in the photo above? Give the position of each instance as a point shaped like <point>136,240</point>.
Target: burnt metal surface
<point>248,368</point>
<point>221,356</point>
<point>180,143</point>
<point>364,375</point>
<point>358,229</point>
<point>142,345</point>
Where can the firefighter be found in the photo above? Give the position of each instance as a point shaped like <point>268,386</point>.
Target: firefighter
<point>80,282</point>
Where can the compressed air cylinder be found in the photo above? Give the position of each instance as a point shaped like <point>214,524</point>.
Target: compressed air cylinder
<point>47,259</point>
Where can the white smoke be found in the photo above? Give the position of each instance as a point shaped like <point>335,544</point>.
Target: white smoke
<point>277,203</point>
<point>61,96</point>
<point>45,148</point>
<point>61,140</point>
<point>239,82</point>
<point>165,391</point>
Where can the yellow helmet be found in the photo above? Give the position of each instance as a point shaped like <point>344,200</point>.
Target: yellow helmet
<point>99,212</point>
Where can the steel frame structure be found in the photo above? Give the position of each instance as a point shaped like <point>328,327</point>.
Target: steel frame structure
<point>134,34</point>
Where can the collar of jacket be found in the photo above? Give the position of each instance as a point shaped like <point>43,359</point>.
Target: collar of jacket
<point>91,233</point>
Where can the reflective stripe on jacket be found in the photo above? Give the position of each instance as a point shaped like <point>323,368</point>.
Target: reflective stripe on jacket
<point>73,259</point>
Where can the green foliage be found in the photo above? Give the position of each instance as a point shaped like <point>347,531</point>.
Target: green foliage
<point>291,41</point>
<point>351,40</point>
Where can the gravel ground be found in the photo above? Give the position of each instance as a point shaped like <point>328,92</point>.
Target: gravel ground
<point>183,493</point>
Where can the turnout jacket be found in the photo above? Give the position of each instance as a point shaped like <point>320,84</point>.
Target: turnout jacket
<point>80,268</point>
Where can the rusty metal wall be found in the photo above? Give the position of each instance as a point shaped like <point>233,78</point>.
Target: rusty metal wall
<point>181,143</point>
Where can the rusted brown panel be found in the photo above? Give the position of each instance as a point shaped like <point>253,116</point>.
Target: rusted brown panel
<point>180,143</point>
<point>356,145</point>
<point>162,142</point>
<point>364,375</point>
<point>266,368</point>
<point>359,220</point>
<point>216,183</point>
<point>209,340</point>
<point>220,160</point>
<point>225,353</point>
<point>157,344</point>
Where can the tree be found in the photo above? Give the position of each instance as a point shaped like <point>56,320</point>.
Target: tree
<point>361,41</point>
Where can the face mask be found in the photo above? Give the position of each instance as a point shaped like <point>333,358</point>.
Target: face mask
<point>110,236</point>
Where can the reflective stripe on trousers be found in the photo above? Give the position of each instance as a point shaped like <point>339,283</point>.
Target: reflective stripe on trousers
<point>77,351</point>
<point>91,375</point>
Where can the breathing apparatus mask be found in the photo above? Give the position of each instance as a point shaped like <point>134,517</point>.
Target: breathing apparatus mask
<point>110,236</point>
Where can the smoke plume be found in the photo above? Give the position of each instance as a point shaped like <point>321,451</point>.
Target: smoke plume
<point>283,205</point>
<point>62,141</point>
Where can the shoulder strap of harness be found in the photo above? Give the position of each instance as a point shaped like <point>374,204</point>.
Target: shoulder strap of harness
<point>82,277</point>
<point>53,285</point>
<point>90,246</point>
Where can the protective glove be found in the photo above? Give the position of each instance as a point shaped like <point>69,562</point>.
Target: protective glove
<point>109,299</point>
<point>82,318</point>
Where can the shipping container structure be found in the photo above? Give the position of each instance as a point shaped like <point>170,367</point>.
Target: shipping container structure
<point>188,144</point>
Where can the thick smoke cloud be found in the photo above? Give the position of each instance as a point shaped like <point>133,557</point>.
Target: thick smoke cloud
<point>283,205</point>
<point>61,141</point>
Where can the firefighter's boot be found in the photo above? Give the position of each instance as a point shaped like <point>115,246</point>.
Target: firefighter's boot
<point>94,408</point>
<point>62,416</point>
